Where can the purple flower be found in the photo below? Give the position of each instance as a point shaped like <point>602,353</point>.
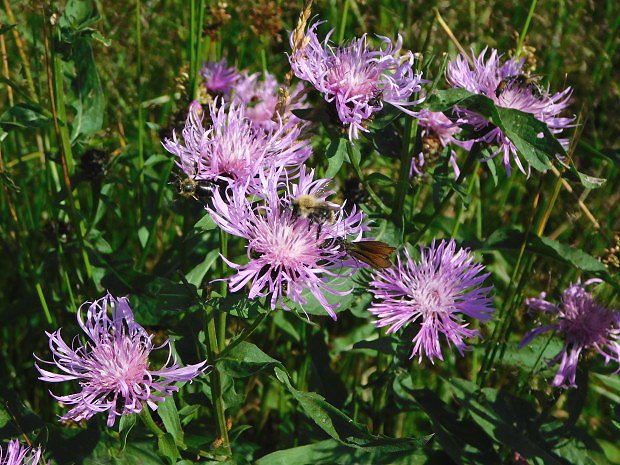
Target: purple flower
<point>433,292</point>
<point>16,454</point>
<point>287,254</point>
<point>232,149</point>
<point>260,97</point>
<point>504,84</point>
<point>584,323</point>
<point>219,78</point>
<point>437,132</point>
<point>112,364</point>
<point>357,79</point>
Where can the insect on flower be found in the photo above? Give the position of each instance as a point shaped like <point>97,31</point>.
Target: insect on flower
<point>315,208</point>
<point>376,254</point>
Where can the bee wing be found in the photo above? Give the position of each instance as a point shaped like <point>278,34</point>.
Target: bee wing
<point>325,190</point>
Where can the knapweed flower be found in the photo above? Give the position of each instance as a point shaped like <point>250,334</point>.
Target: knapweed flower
<point>584,324</point>
<point>433,292</point>
<point>287,253</point>
<point>507,87</point>
<point>219,79</point>
<point>357,79</point>
<point>16,454</point>
<point>260,97</point>
<point>437,132</point>
<point>232,148</point>
<point>112,364</point>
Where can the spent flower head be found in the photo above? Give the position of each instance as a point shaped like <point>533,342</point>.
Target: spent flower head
<point>585,325</point>
<point>356,78</point>
<point>219,78</point>
<point>231,148</point>
<point>112,364</point>
<point>16,454</point>
<point>437,132</point>
<point>507,86</point>
<point>287,253</point>
<point>434,293</point>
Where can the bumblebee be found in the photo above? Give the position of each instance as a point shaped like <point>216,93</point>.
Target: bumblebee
<point>377,99</point>
<point>521,81</point>
<point>317,211</point>
<point>200,190</point>
<point>376,254</point>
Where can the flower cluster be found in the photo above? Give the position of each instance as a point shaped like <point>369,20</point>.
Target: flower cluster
<point>584,323</point>
<point>16,454</point>
<point>358,80</point>
<point>287,253</point>
<point>507,86</point>
<point>434,293</point>
<point>112,364</point>
<point>232,148</point>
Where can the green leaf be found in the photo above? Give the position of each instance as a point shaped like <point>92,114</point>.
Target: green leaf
<point>507,420</point>
<point>530,136</point>
<point>4,28</point>
<point>205,223</point>
<point>25,115</point>
<point>197,274</point>
<point>336,151</point>
<point>384,345</point>
<point>244,360</point>
<point>331,451</point>
<point>78,15</point>
<point>169,415</point>
<point>464,441</point>
<point>126,423</point>
<point>512,239</point>
<point>168,448</point>
<point>342,428</point>
<point>15,417</point>
<point>90,103</point>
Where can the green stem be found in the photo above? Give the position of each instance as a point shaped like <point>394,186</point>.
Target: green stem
<point>343,21</point>
<point>470,187</point>
<point>160,197</point>
<point>59,113</point>
<point>216,382</point>
<point>147,419</point>
<point>526,26</point>
<point>406,155</point>
<point>362,178</point>
<point>223,290</point>
<point>140,109</point>
<point>245,334</point>
<point>469,163</point>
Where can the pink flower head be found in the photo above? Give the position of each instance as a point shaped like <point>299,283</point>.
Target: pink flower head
<point>584,323</point>
<point>260,97</point>
<point>16,454</point>
<point>219,78</point>
<point>356,78</point>
<point>503,83</point>
<point>112,364</point>
<point>287,253</point>
<point>231,148</point>
<point>434,292</point>
<point>437,132</point>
